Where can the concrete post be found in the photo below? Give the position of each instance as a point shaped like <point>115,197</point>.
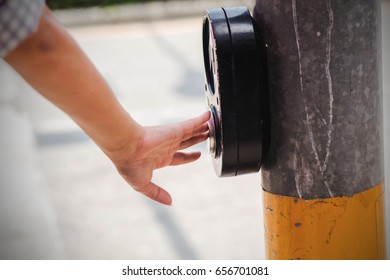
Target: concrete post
<point>323,178</point>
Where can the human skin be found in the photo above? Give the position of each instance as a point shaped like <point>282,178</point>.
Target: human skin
<point>55,66</point>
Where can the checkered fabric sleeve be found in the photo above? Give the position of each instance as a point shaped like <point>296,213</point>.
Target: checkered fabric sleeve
<point>18,20</point>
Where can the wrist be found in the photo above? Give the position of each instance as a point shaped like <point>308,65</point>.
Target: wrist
<point>124,140</point>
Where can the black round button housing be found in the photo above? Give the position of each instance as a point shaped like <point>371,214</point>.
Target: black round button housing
<point>236,88</point>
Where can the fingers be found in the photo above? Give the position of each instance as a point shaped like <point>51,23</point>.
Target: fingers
<point>156,193</point>
<point>194,126</point>
<point>194,140</point>
<point>203,128</point>
<point>195,131</point>
<point>183,158</point>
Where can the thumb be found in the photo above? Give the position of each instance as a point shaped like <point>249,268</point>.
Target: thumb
<point>156,193</point>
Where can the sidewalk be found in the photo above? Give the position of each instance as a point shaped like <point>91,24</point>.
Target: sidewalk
<point>143,12</point>
<point>61,198</point>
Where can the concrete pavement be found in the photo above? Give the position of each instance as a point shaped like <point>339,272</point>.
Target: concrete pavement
<point>144,11</point>
<point>61,198</point>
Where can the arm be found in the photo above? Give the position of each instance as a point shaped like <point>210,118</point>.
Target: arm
<point>56,67</point>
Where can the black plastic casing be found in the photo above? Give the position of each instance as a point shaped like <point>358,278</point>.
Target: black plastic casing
<point>235,60</point>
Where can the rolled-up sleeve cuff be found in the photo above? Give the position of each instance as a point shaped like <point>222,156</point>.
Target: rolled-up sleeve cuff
<point>18,20</point>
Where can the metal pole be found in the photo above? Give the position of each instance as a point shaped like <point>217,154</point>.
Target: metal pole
<point>323,178</point>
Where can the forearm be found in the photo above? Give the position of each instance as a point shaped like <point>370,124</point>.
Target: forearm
<point>55,66</point>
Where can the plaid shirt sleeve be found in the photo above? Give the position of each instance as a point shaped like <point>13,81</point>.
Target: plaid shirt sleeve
<point>18,20</point>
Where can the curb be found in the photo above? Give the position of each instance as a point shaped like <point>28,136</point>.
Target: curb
<point>142,12</point>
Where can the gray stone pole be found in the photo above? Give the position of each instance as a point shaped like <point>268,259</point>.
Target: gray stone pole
<point>325,99</point>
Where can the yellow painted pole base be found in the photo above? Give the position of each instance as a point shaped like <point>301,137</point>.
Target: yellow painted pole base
<point>332,228</point>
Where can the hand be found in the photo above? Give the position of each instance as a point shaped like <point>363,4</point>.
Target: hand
<point>158,147</point>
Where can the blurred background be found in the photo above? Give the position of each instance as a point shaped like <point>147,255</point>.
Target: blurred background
<point>61,198</point>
